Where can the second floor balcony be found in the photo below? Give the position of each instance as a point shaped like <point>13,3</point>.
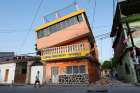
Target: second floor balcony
<point>65,52</point>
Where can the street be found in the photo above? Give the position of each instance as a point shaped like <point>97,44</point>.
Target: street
<point>99,89</point>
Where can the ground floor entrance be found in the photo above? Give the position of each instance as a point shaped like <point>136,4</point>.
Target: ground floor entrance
<point>20,73</point>
<point>70,72</point>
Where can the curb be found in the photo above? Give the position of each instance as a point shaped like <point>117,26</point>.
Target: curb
<point>137,84</point>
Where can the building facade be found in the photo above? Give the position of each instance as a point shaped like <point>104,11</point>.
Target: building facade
<point>126,36</point>
<point>15,70</point>
<point>68,49</point>
<point>36,69</point>
<point>7,72</point>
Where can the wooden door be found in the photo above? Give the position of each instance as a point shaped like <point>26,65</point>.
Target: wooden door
<point>6,75</point>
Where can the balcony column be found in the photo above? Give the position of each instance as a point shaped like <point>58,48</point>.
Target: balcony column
<point>44,73</point>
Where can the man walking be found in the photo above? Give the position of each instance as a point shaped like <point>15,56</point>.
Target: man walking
<point>37,81</point>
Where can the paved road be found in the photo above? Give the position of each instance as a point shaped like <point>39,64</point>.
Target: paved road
<point>30,89</point>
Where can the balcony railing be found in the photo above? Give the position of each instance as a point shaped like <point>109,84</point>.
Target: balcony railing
<point>61,12</point>
<point>69,51</point>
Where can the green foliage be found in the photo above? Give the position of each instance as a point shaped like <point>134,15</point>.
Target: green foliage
<point>106,65</point>
<point>109,64</point>
<point>37,58</point>
<point>114,64</point>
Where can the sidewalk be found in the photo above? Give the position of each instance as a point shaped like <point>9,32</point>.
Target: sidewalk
<point>3,84</point>
<point>112,82</point>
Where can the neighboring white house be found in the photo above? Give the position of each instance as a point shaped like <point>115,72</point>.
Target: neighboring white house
<point>36,67</point>
<point>7,72</point>
<point>106,73</point>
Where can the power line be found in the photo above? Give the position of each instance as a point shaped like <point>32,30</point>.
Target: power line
<point>34,18</point>
<point>103,36</point>
<point>25,29</point>
<point>93,12</point>
<point>8,32</point>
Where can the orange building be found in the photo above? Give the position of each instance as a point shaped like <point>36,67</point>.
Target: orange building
<point>68,49</point>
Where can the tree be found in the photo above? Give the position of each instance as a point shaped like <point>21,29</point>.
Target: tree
<point>114,63</point>
<point>37,58</point>
<point>106,65</point>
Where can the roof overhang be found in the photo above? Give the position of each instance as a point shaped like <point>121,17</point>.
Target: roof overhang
<point>124,8</point>
<point>130,7</point>
<point>116,22</point>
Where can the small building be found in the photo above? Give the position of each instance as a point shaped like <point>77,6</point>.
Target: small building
<point>105,73</point>
<point>16,70</point>
<point>7,72</point>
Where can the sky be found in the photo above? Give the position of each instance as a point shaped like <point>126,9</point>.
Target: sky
<point>16,16</point>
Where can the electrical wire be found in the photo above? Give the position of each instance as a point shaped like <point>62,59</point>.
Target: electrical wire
<point>30,28</point>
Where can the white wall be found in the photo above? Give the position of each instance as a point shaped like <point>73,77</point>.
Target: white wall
<point>34,70</point>
<point>11,75</point>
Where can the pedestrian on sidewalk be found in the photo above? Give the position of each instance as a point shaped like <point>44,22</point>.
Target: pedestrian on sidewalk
<point>37,81</point>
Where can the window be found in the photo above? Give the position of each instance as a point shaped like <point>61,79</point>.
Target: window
<point>82,69</point>
<point>73,21</point>
<point>54,70</point>
<point>46,32</point>
<point>81,46</point>
<point>65,24</point>
<point>52,29</point>
<point>80,18</point>
<point>59,26</point>
<point>69,70</point>
<point>40,34</point>
<point>75,70</point>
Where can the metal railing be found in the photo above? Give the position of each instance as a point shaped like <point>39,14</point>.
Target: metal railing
<point>59,13</point>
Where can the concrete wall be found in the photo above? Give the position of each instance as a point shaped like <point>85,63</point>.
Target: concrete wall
<point>122,74</point>
<point>91,69</point>
<point>83,40</point>
<point>62,65</point>
<point>34,70</point>
<point>63,36</point>
<point>105,73</point>
<point>11,74</point>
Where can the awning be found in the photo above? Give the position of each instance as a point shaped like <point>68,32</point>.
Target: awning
<point>130,7</point>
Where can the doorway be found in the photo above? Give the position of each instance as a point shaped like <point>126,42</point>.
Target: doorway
<point>20,73</point>
<point>54,74</point>
<point>6,75</point>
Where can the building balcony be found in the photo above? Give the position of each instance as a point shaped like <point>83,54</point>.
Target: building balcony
<point>64,52</point>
